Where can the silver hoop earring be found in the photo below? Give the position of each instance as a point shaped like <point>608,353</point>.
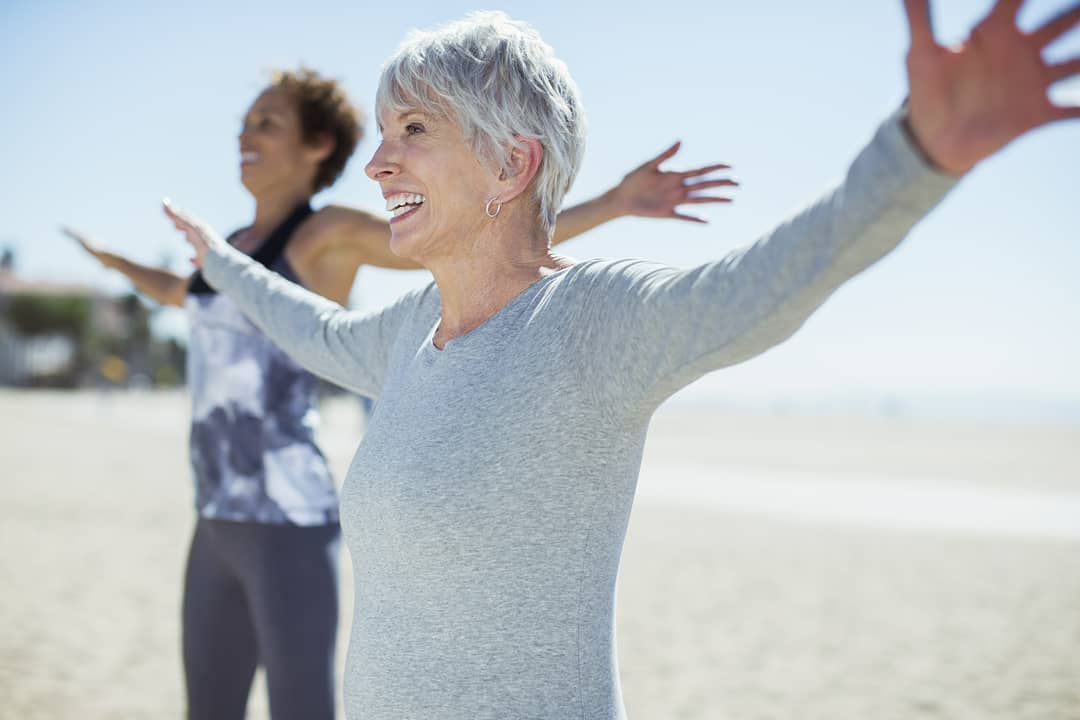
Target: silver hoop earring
<point>487,208</point>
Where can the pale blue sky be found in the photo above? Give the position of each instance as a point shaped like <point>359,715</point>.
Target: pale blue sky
<point>113,105</point>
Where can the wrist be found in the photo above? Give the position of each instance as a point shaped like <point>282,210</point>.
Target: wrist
<point>921,139</point>
<point>613,204</point>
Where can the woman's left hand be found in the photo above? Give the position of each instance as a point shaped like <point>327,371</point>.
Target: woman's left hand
<point>969,101</point>
<point>201,236</point>
<point>648,191</point>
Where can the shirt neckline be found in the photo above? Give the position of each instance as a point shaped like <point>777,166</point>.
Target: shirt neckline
<point>498,318</point>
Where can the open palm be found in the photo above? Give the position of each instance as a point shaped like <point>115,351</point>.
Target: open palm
<point>648,191</point>
<point>969,101</point>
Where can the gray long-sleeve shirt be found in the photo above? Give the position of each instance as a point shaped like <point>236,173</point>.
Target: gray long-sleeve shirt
<point>486,507</point>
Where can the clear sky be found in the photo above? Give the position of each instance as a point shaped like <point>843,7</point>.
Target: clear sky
<point>112,105</point>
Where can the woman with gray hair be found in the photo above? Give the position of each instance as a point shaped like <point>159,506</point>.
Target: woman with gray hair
<point>485,509</point>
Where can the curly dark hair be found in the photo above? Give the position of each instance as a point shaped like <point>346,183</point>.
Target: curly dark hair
<point>324,109</point>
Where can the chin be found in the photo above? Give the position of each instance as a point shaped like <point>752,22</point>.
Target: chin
<point>401,247</point>
<point>411,246</point>
<point>248,181</point>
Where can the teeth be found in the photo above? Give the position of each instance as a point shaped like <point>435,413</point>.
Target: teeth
<point>397,200</point>
<point>249,157</point>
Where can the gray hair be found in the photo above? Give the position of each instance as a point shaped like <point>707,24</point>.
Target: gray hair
<point>500,82</point>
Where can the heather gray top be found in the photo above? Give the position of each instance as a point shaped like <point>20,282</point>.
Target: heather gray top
<point>486,507</point>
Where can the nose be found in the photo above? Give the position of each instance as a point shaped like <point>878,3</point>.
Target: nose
<point>381,166</point>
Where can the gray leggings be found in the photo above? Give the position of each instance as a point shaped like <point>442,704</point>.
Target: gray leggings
<point>261,594</point>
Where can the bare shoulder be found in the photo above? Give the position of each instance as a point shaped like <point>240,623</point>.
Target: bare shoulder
<point>348,238</point>
<point>351,223</point>
<point>337,228</point>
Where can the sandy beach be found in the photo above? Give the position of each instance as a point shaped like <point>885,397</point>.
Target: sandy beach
<point>776,567</point>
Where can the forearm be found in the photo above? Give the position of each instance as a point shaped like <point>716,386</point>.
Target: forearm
<point>729,311</point>
<point>780,280</point>
<point>585,216</point>
<point>161,285</point>
<point>304,324</point>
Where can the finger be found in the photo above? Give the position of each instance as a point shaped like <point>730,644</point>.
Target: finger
<point>706,184</point>
<point>76,236</point>
<point>688,218</point>
<point>1066,112</point>
<point>700,199</point>
<point>703,170</point>
<point>173,212</point>
<point>83,241</point>
<point>666,155</point>
<point>180,220</point>
<point>1056,27</point>
<point>918,15</point>
<point>170,209</point>
<point>1061,71</point>
<point>1007,9</point>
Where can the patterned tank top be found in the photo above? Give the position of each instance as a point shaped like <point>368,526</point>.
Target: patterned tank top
<point>254,415</point>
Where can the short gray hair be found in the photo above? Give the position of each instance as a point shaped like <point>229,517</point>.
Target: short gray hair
<point>500,82</point>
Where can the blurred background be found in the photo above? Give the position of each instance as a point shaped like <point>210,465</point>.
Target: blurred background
<point>877,519</point>
<point>114,105</point>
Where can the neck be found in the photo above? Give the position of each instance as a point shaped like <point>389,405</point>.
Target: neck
<point>273,206</point>
<point>478,280</point>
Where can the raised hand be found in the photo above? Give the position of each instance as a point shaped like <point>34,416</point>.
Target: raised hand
<point>201,236</point>
<point>648,191</point>
<point>969,101</point>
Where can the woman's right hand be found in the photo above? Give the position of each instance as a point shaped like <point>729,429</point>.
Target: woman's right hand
<point>201,236</point>
<point>103,257</point>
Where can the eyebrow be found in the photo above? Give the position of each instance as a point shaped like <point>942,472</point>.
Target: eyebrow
<point>404,115</point>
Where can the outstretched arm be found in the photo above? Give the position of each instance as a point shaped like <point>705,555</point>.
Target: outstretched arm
<point>349,349</point>
<point>965,104</point>
<point>161,285</point>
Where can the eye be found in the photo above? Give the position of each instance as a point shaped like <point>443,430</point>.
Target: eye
<point>414,129</point>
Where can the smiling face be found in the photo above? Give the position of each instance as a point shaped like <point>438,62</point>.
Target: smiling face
<point>272,151</point>
<point>433,183</point>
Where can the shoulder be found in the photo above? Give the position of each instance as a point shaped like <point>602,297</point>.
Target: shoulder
<point>624,273</point>
<point>338,237</point>
<point>347,221</point>
<point>337,224</point>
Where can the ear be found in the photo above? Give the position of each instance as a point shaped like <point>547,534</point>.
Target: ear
<point>525,159</point>
<point>320,148</point>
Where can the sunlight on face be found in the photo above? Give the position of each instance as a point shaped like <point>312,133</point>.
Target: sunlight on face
<point>434,185</point>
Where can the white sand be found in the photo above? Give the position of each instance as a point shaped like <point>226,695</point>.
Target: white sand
<point>722,614</point>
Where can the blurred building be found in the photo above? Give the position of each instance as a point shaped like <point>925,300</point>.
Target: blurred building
<point>71,335</point>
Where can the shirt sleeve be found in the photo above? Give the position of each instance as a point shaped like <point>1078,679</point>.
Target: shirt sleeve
<point>347,348</point>
<point>662,328</point>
